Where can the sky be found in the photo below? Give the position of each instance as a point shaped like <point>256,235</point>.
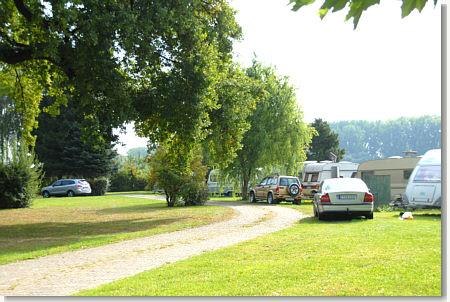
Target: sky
<point>388,67</point>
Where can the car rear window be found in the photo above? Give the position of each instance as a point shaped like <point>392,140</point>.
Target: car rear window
<point>284,181</point>
<point>344,185</point>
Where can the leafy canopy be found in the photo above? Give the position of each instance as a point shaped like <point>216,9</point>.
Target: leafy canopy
<point>156,62</point>
<point>324,142</point>
<point>357,7</point>
<point>278,137</point>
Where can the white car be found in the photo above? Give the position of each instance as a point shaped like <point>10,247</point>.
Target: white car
<point>343,196</point>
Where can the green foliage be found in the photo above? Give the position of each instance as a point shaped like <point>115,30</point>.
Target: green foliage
<point>179,177</point>
<point>130,176</point>
<point>365,140</point>
<point>237,96</point>
<point>156,62</point>
<point>277,137</point>
<point>65,151</point>
<point>99,186</point>
<point>324,142</point>
<point>357,7</point>
<point>194,193</point>
<point>20,179</point>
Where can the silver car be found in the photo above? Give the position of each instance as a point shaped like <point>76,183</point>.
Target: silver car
<point>349,196</point>
<point>67,187</point>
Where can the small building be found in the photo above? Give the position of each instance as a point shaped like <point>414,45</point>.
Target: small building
<point>396,170</point>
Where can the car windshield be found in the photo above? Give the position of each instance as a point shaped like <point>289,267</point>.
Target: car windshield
<point>428,174</point>
<point>344,185</point>
<point>284,181</point>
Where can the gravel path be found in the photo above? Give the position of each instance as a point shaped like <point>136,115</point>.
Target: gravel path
<point>67,273</point>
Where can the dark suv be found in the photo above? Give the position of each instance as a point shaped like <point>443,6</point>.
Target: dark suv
<point>277,188</point>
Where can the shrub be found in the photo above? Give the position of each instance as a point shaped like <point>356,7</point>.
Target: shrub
<point>124,181</point>
<point>194,193</point>
<point>179,176</point>
<point>20,180</point>
<point>99,186</point>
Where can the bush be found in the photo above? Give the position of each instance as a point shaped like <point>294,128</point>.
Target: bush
<point>179,175</point>
<point>127,181</point>
<point>20,180</point>
<point>194,193</point>
<point>99,186</point>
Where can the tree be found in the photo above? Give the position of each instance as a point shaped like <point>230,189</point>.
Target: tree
<point>365,140</point>
<point>324,142</point>
<point>178,177</point>
<point>277,136</point>
<point>153,61</point>
<point>357,7</point>
<point>63,150</point>
<point>237,97</point>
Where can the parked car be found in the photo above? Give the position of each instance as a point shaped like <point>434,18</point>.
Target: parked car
<point>277,188</point>
<point>349,196</point>
<point>67,187</point>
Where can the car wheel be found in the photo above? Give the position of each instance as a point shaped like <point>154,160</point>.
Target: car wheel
<point>370,216</point>
<point>270,198</point>
<point>321,216</point>
<point>45,194</point>
<point>70,194</point>
<point>252,197</point>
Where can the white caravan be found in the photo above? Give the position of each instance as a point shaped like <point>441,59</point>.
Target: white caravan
<point>314,173</point>
<point>424,185</point>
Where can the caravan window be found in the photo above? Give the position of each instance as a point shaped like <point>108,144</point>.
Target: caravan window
<point>428,173</point>
<point>314,177</point>
<point>311,177</point>
<point>407,174</point>
<point>213,177</point>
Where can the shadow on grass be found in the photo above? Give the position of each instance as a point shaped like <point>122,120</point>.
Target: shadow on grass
<point>141,208</point>
<point>37,231</point>
<point>39,237</point>
<point>338,219</point>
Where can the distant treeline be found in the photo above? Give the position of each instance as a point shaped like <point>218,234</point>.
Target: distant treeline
<point>365,140</point>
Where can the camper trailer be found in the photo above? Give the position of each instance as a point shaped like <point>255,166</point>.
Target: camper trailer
<point>424,185</point>
<point>397,168</point>
<point>216,186</point>
<point>314,173</point>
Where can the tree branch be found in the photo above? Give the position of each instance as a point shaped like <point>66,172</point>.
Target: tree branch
<point>23,9</point>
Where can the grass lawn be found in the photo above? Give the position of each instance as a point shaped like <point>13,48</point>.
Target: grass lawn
<point>56,225</point>
<point>380,257</point>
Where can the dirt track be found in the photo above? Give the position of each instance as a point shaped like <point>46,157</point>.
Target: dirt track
<point>67,273</point>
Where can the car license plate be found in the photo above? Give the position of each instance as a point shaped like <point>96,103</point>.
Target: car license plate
<point>347,196</point>
<point>289,199</point>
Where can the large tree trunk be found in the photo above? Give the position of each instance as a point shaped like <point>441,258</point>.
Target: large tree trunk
<point>245,180</point>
